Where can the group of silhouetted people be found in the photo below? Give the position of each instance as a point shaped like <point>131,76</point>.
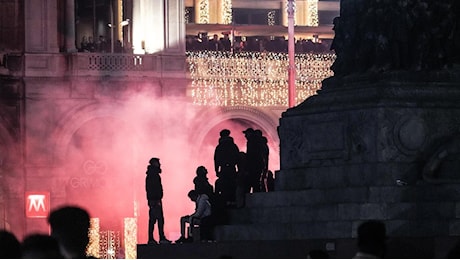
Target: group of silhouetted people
<point>241,172</point>
<point>200,195</point>
<point>69,237</point>
<point>237,173</point>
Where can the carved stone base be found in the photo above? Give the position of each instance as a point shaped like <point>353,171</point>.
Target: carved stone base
<point>364,139</point>
<point>396,124</point>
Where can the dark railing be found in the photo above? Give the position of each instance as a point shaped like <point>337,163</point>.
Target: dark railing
<point>115,62</point>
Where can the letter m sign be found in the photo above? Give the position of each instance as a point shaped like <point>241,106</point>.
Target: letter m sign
<point>37,204</point>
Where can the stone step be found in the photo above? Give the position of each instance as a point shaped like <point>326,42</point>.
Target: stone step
<point>338,175</point>
<point>344,212</point>
<point>283,231</point>
<point>333,229</point>
<point>368,194</point>
<point>266,249</point>
<point>397,248</point>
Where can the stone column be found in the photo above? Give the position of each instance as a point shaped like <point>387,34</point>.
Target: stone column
<point>70,26</point>
<point>40,24</point>
<point>174,27</point>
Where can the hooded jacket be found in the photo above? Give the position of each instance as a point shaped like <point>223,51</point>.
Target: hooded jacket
<point>153,185</point>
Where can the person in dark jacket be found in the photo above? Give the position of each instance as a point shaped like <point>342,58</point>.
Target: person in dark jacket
<point>69,225</point>
<point>255,158</point>
<point>154,191</point>
<point>226,157</point>
<point>202,185</point>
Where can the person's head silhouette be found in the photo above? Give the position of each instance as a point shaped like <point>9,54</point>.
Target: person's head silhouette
<point>10,247</point>
<point>70,226</point>
<point>372,238</point>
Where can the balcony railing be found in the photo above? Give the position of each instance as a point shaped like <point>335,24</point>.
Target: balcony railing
<point>114,62</point>
<point>217,78</point>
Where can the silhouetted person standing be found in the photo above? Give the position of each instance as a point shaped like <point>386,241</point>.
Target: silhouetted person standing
<point>214,43</point>
<point>270,181</point>
<point>254,158</point>
<point>70,226</point>
<point>264,154</point>
<point>226,157</point>
<point>242,184</point>
<point>154,190</point>
<point>371,240</point>
<point>225,43</point>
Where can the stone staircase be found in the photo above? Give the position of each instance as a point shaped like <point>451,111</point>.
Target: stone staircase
<point>336,212</point>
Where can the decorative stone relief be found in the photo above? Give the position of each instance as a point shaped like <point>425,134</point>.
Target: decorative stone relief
<point>443,164</point>
<point>409,135</point>
<point>403,134</point>
<point>359,128</point>
<point>293,145</point>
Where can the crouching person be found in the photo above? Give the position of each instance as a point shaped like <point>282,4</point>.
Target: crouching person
<point>202,211</point>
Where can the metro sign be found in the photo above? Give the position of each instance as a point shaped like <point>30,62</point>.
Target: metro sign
<point>37,204</point>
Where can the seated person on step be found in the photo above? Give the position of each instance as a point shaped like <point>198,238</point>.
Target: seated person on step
<point>202,210</point>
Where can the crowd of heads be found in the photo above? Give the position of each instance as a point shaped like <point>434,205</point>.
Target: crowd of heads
<point>202,42</point>
<point>69,238</point>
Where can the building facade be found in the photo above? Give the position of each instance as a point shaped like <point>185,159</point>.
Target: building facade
<point>79,125</point>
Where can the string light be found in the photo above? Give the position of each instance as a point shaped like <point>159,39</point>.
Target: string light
<point>110,244</point>
<point>254,78</point>
<point>130,238</point>
<point>204,12</point>
<point>271,18</point>
<point>94,238</point>
<point>312,13</point>
<point>227,11</point>
<point>291,9</point>
<point>187,16</point>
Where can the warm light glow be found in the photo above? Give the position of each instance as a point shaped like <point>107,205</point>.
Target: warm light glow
<point>203,11</point>
<point>187,16</point>
<point>130,238</point>
<point>227,11</point>
<point>253,78</point>
<point>289,7</point>
<point>271,18</point>
<point>312,8</point>
<point>94,238</point>
<point>109,244</point>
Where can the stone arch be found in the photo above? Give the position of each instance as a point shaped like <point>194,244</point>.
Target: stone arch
<point>76,118</point>
<point>95,176</point>
<point>209,118</point>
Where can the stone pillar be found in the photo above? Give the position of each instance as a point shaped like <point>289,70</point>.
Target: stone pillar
<point>174,27</point>
<point>70,26</point>
<point>40,25</point>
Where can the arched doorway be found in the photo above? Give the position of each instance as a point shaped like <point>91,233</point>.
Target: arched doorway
<point>236,119</point>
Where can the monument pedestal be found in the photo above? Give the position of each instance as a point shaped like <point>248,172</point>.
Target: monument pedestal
<point>383,146</point>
